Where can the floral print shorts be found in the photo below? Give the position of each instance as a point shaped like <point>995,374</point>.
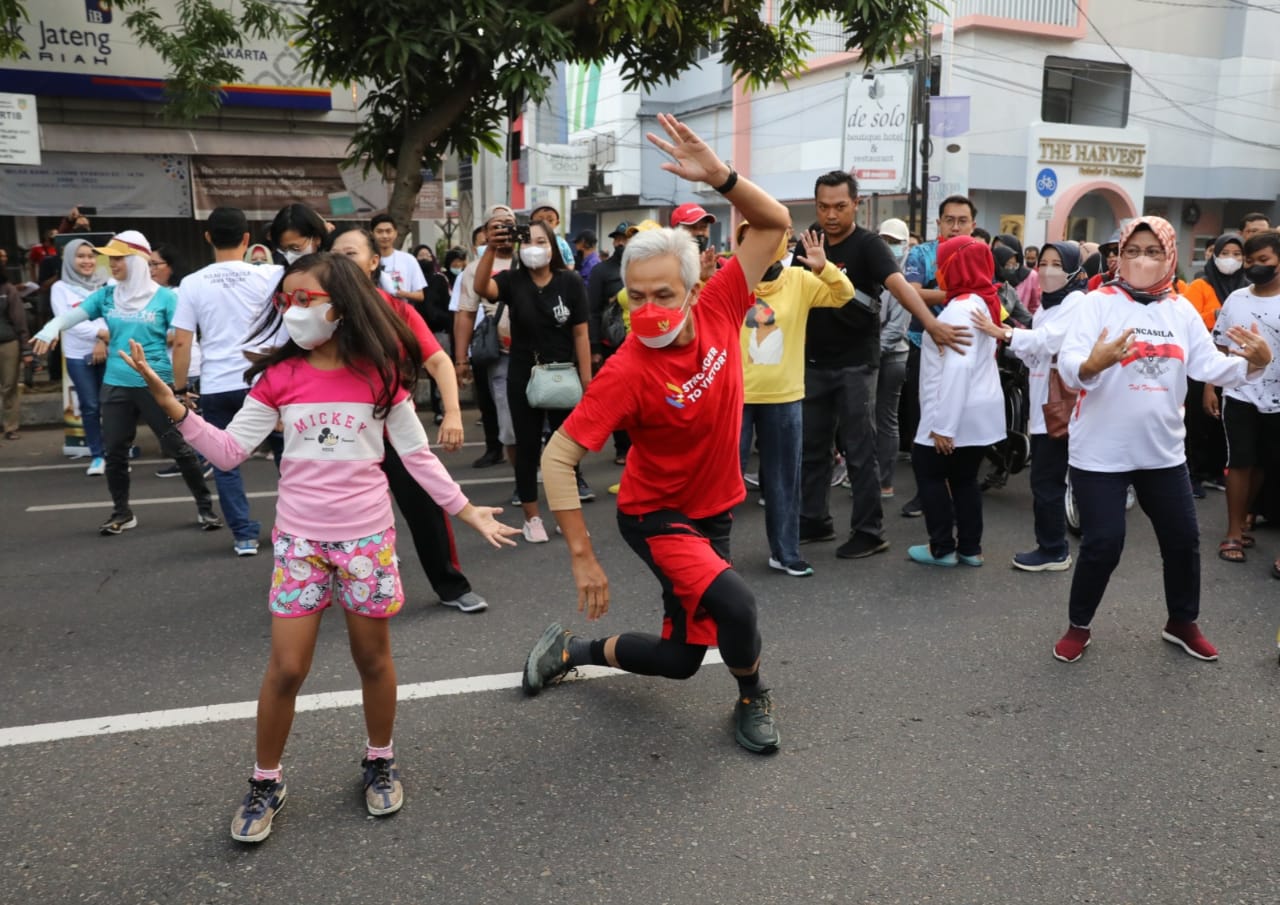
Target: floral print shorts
<point>363,573</point>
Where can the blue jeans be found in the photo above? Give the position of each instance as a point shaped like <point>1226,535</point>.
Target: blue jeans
<point>778,429</point>
<point>1165,496</point>
<point>87,379</point>
<point>218,409</point>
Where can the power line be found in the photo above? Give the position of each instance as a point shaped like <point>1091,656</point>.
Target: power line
<point>1158,91</point>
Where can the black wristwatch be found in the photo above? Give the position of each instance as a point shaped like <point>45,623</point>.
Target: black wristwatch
<point>728,184</point>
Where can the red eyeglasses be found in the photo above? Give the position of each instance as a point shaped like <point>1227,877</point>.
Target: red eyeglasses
<point>300,298</point>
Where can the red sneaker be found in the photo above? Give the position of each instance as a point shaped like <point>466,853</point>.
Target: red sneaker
<point>1070,647</point>
<point>1187,635</point>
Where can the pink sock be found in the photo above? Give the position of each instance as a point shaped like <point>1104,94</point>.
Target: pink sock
<point>274,775</point>
<point>373,753</point>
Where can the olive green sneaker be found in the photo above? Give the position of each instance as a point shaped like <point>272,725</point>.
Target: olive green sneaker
<point>548,661</point>
<point>753,723</point>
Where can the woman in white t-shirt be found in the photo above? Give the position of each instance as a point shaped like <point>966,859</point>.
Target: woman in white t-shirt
<point>84,346</point>
<point>1130,347</point>
<point>961,410</point>
<point>1063,281</point>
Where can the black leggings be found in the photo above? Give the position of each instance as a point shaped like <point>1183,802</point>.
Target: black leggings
<point>731,604</point>
<point>121,408</point>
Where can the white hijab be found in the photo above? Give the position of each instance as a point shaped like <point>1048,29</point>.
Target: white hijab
<point>137,288</point>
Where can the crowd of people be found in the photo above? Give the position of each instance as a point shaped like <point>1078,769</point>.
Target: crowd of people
<point>801,362</point>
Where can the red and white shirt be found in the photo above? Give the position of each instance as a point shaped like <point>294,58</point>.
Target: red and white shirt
<point>1130,415</point>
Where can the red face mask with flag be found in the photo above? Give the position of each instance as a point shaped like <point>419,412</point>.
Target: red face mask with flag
<point>656,326</point>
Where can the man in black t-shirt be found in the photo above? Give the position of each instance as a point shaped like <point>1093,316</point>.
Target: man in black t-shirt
<point>842,359</point>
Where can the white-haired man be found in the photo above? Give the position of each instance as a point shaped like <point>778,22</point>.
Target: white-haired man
<point>676,386</point>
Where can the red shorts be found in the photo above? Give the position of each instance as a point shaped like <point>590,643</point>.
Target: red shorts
<point>686,555</point>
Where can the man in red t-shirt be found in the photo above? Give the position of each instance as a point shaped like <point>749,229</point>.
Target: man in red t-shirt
<point>675,385</point>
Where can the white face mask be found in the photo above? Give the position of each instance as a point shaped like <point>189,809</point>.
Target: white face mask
<point>535,257</point>
<point>291,256</point>
<point>310,327</point>
<point>1227,266</point>
<point>1052,278</point>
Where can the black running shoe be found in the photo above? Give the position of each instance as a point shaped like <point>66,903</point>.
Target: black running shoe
<point>118,524</point>
<point>548,661</point>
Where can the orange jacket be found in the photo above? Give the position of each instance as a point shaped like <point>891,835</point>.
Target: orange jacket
<point>1201,295</point>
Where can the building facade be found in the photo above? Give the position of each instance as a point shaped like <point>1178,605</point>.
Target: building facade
<point>1059,118</point>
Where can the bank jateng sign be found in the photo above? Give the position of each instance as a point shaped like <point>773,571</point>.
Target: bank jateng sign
<point>82,48</point>
<point>877,131</point>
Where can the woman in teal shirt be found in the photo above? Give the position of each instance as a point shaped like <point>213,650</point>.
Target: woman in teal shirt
<point>135,308</point>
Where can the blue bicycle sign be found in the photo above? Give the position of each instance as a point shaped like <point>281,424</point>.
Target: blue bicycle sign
<point>1046,183</point>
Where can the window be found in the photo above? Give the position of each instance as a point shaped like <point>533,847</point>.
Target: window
<point>705,53</point>
<point>1085,92</point>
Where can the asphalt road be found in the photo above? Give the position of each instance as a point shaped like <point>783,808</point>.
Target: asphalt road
<point>933,750</point>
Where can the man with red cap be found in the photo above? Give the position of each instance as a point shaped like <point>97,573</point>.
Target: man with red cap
<point>694,219</point>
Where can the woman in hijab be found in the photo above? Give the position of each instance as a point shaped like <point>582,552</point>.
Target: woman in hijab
<point>1016,273</point>
<point>1206,443</point>
<point>1130,347</point>
<point>84,346</point>
<point>135,308</point>
<point>1062,283</point>
<point>961,411</point>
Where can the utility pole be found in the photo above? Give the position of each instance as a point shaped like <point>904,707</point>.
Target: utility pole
<point>926,143</point>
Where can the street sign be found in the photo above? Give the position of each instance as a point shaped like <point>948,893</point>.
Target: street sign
<point>877,130</point>
<point>19,132</point>
<point>1046,183</point>
<point>1045,213</point>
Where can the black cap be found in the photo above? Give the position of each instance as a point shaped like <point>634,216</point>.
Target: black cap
<point>588,236</point>
<point>620,230</point>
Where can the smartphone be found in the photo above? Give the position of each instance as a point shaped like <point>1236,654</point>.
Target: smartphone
<point>520,233</point>
<point>87,210</point>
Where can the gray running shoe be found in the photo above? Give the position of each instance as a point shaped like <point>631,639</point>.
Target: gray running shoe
<point>264,800</point>
<point>208,521</point>
<point>753,724</point>
<point>548,661</point>
<point>470,602</point>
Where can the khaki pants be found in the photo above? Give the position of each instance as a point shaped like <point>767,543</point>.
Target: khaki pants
<point>10,383</point>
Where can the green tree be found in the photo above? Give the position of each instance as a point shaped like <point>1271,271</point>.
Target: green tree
<point>441,77</point>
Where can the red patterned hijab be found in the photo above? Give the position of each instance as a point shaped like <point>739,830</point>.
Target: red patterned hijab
<point>965,267</point>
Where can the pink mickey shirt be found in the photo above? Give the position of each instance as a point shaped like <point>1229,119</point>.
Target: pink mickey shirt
<point>331,484</point>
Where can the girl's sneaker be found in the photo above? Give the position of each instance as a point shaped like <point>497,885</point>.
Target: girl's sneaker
<point>252,822</point>
<point>97,467</point>
<point>534,531</point>
<point>383,793</point>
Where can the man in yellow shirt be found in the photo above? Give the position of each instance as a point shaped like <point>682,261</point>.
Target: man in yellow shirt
<point>773,385</point>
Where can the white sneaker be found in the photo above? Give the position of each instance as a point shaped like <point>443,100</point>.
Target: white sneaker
<point>534,531</point>
<point>97,467</point>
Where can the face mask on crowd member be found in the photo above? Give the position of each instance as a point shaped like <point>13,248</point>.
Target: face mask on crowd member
<point>896,236</point>
<point>1148,258</point>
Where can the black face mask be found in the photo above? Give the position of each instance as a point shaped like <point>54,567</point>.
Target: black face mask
<point>703,242</point>
<point>774,271</point>
<point>1260,274</point>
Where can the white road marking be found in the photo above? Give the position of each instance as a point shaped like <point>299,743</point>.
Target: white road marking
<point>257,494</point>
<point>43,733</point>
<point>83,462</point>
